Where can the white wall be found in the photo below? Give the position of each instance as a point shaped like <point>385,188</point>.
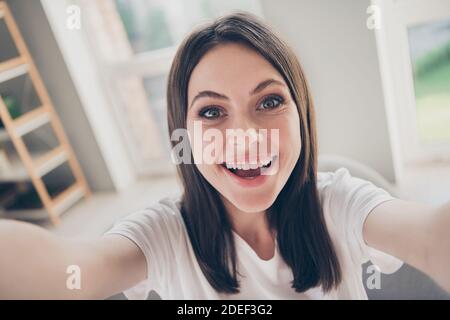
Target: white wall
<point>339,55</point>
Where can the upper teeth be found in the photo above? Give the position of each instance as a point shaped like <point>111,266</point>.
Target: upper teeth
<point>248,165</point>
<point>253,166</point>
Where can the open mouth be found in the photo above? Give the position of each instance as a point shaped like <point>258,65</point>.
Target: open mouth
<point>249,170</point>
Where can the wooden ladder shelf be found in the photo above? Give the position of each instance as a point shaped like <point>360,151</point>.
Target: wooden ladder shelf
<point>32,120</point>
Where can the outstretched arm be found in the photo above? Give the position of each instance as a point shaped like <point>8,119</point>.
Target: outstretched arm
<point>34,264</point>
<point>416,233</point>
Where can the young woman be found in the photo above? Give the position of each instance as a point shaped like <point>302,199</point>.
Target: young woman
<point>237,232</point>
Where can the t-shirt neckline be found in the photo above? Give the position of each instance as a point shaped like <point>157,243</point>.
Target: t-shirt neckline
<point>245,246</point>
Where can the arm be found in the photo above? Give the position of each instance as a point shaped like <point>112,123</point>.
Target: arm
<point>415,233</point>
<point>33,264</point>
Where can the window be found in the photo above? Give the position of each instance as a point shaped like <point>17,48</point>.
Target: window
<point>414,50</point>
<point>134,42</point>
<point>158,24</point>
<point>429,46</point>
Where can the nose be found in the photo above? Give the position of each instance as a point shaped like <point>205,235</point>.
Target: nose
<point>243,124</point>
<point>242,141</point>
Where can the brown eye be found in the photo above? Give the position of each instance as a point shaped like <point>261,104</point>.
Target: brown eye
<point>211,113</point>
<point>271,102</point>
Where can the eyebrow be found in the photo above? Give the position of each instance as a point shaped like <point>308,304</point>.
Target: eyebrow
<point>265,84</point>
<point>212,94</point>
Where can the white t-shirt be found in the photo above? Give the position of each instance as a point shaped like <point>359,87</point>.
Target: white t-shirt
<point>174,273</point>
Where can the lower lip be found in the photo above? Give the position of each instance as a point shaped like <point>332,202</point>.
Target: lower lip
<point>247,182</point>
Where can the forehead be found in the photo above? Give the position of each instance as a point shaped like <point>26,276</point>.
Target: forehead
<point>230,68</point>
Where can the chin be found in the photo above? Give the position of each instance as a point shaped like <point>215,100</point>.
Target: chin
<point>252,203</point>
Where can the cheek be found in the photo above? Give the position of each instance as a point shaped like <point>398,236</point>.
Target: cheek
<point>207,144</point>
<point>202,155</point>
<point>197,146</point>
<point>289,134</point>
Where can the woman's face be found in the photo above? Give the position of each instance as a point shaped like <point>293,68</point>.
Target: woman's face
<point>232,88</point>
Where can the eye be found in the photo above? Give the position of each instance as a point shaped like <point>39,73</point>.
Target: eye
<point>271,102</point>
<point>211,112</point>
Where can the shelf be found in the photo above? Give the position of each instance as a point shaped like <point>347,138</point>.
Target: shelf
<point>31,121</point>
<point>25,214</point>
<point>4,136</point>
<point>61,202</point>
<point>20,66</point>
<point>67,198</point>
<point>27,123</point>
<point>12,68</point>
<point>44,162</point>
<point>50,160</point>
<point>10,64</point>
<point>16,173</point>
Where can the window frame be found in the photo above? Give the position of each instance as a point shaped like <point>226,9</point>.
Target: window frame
<point>149,64</point>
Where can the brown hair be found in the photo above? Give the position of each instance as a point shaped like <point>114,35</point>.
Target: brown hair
<point>296,214</point>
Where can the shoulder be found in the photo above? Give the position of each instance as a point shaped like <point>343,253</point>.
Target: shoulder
<point>326,178</point>
<point>158,231</point>
<point>345,196</point>
<point>331,191</point>
<point>162,219</point>
<point>167,210</point>
<point>335,182</point>
<point>342,183</point>
<point>347,201</point>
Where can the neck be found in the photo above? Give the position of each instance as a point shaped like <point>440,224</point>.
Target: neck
<point>253,227</point>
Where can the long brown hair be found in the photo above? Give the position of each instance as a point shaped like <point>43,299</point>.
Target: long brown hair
<point>303,239</point>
